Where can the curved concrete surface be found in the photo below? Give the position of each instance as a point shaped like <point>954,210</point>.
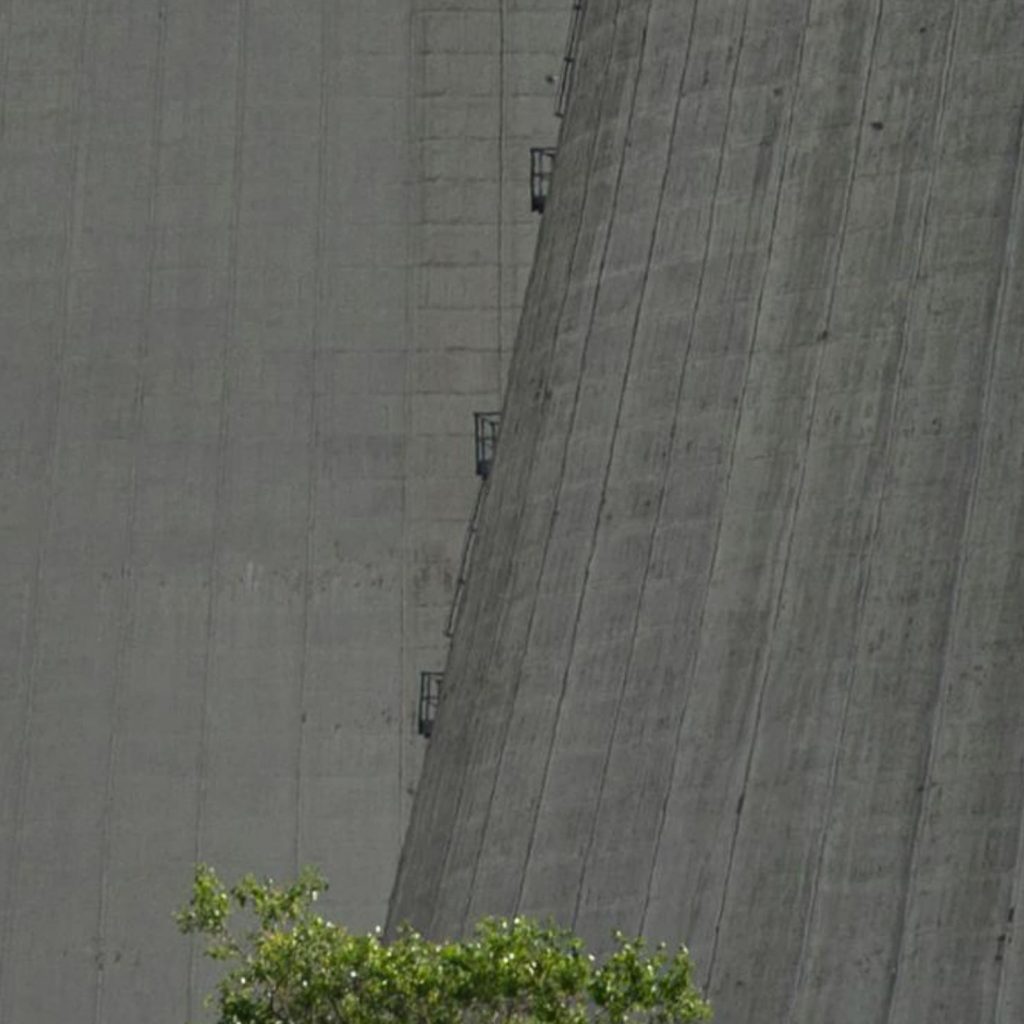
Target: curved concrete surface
<point>743,645</point>
<point>258,266</point>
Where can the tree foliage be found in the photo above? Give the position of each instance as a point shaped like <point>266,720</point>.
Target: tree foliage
<point>287,965</point>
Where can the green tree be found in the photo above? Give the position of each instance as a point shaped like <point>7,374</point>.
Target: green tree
<point>286,965</point>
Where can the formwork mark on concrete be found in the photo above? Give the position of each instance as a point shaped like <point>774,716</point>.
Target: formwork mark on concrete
<point>312,436</point>
<point>1010,256</point>
<point>227,345</point>
<point>1009,261</point>
<point>6,18</point>
<point>942,688</point>
<point>30,634</point>
<point>802,477</point>
<point>862,597</point>
<point>500,218</point>
<point>507,719</point>
<point>691,666</point>
<point>862,591</point>
<point>765,673</point>
<point>417,13</point>
<point>126,610</point>
<point>532,831</point>
<point>1012,927</point>
<point>414,214</point>
<point>592,832</point>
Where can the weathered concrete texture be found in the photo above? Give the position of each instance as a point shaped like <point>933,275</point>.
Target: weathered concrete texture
<point>241,339</point>
<point>742,652</point>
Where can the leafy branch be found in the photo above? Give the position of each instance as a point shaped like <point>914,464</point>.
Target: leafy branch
<point>287,965</point>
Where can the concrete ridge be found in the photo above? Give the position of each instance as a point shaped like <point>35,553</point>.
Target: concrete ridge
<point>738,659</point>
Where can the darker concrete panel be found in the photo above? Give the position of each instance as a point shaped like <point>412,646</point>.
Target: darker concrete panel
<point>740,669</point>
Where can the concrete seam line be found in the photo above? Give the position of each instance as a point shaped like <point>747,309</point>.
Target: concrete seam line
<point>126,611</point>
<point>416,121</point>
<point>411,198</point>
<point>765,673</point>
<point>863,589</point>
<point>967,516</point>
<point>223,428</point>
<point>812,897</point>
<point>691,666</point>
<point>1010,261</point>
<point>641,590</point>
<point>941,689</point>
<point>538,434</point>
<point>30,633</point>
<point>500,218</point>
<point>434,750</point>
<point>581,371</point>
<point>6,18</point>
<point>831,784</point>
<point>312,426</point>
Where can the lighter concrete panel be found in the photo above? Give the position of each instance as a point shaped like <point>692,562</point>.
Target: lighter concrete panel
<point>259,264</point>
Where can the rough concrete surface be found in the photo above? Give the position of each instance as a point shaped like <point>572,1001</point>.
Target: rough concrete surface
<point>259,263</point>
<point>741,657</point>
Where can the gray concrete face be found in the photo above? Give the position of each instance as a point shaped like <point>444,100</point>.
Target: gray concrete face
<point>741,658</point>
<point>259,263</point>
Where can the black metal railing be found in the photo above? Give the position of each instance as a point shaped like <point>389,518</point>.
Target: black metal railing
<point>542,163</point>
<point>430,698</point>
<point>485,440</point>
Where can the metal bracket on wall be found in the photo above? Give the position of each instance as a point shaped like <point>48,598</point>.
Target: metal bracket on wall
<point>542,163</point>
<point>485,439</point>
<point>430,698</point>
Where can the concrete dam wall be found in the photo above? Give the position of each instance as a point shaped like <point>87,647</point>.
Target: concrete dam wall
<point>260,262</point>
<point>741,662</point>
